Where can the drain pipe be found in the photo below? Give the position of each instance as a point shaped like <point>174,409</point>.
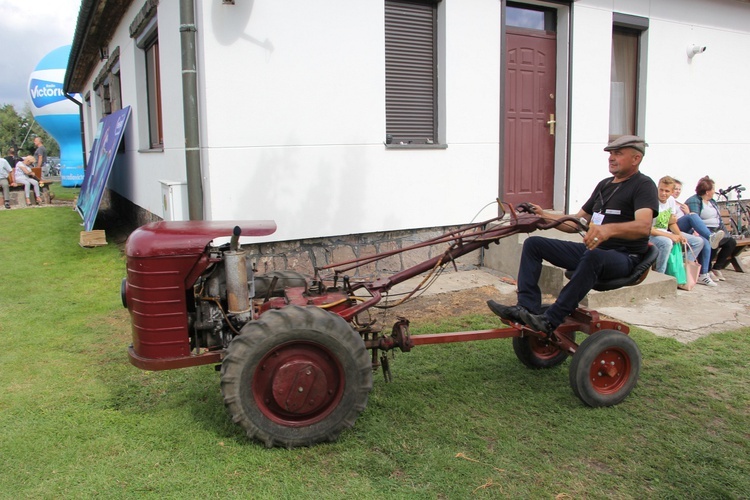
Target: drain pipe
<point>190,110</point>
<point>83,130</point>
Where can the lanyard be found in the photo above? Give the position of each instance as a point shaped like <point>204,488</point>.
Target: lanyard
<point>602,200</point>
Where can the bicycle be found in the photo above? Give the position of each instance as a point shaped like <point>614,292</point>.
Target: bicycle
<point>739,213</point>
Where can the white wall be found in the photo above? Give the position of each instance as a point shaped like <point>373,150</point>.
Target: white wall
<point>292,103</point>
<point>696,109</point>
<point>294,113</point>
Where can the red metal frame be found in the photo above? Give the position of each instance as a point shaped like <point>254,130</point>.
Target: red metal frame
<point>165,259</point>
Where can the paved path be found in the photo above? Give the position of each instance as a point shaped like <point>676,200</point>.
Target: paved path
<point>685,317</point>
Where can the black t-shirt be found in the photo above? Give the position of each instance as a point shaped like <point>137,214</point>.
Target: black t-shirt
<point>618,202</point>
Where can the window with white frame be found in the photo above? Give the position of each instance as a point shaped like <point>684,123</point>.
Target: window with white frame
<point>153,90</point>
<point>144,30</point>
<point>627,75</point>
<point>411,71</point>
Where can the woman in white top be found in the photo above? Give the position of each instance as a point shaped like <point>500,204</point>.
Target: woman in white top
<point>24,175</point>
<point>703,204</point>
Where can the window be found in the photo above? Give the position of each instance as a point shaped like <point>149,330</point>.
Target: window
<point>626,75</point>
<point>145,30</point>
<point>530,17</point>
<point>153,92</point>
<point>410,72</point>
<point>107,85</point>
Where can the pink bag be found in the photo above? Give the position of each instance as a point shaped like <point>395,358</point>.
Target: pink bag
<point>692,269</point>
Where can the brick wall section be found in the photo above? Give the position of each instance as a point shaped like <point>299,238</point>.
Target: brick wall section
<point>304,255</point>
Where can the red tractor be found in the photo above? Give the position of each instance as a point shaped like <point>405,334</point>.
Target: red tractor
<point>295,368</point>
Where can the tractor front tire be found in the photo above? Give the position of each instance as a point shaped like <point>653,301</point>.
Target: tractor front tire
<point>605,368</point>
<point>296,376</point>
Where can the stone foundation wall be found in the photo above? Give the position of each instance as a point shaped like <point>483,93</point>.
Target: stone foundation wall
<point>305,255</point>
<point>127,213</point>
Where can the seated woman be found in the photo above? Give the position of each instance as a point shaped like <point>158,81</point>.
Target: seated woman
<point>703,204</point>
<point>24,175</point>
<point>690,223</point>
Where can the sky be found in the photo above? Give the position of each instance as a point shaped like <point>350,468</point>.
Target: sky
<point>29,30</point>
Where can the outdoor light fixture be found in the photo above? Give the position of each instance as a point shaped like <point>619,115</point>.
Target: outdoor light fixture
<point>693,49</point>
<point>103,53</point>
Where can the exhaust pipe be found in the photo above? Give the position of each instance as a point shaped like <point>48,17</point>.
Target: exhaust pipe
<point>235,267</point>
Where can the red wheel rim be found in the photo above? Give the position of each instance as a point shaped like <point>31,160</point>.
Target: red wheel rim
<point>298,384</point>
<point>610,370</point>
<point>543,349</point>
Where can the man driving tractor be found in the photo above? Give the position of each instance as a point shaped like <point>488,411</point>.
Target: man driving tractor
<point>619,213</point>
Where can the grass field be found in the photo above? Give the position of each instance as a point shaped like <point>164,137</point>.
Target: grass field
<point>459,420</point>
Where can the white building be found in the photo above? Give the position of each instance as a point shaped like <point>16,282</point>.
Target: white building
<point>344,117</point>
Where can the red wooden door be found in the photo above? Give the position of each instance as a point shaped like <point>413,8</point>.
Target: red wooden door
<point>529,106</point>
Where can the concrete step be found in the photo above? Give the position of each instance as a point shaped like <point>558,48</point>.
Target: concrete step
<point>505,257</point>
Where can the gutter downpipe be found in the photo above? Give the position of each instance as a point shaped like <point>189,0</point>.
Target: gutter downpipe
<point>80,120</point>
<point>190,110</point>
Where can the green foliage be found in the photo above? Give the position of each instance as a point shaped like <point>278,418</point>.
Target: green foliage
<point>459,421</point>
<point>14,129</point>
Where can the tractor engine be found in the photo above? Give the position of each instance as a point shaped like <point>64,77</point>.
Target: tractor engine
<point>187,299</point>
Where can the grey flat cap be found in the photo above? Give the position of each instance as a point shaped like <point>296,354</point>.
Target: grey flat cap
<point>628,141</point>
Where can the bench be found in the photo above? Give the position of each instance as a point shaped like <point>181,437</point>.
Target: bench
<point>742,243</point>
<point>18,198</point>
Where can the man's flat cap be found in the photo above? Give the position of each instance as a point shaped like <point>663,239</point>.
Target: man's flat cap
<point>628,141</point>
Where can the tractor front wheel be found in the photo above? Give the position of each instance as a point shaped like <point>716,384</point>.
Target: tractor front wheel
<point>605,368</point>
<point>296,376</point>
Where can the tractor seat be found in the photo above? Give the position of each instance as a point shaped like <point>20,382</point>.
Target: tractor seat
<point>640,271</point>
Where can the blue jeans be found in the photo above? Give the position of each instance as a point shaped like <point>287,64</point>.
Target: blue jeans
<point>693,222</point>
<point>588,267</point>
<point>664,244</point>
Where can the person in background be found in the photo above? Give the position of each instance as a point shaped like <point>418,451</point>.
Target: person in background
<point>24,175</point>
<point>619,211</point>
<point>676,192</point>
<point>40,153</point>
<point>5,178</point>
<point>11,157</point>
<point>664,230</point>
<point>692,223</point>
<point>702,203</point>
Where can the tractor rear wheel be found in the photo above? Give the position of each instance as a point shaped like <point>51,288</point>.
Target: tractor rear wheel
<point>605,368</point>
<point>296,376</point>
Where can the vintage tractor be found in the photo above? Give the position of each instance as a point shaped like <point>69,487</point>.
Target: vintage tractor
<point>295,370</point>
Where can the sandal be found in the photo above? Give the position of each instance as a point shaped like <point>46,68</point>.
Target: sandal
<point>28,202</point>
<point>38,200</point>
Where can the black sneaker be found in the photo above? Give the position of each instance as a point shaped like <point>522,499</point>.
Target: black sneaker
<point>512,313</point>
<point>7,205</point>
<point>538,322</point>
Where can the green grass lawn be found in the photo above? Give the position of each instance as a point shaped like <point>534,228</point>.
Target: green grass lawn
<point>64,193</point>
<point>458,421</point>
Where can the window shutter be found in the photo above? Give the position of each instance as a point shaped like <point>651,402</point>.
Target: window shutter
<point>410,71</point>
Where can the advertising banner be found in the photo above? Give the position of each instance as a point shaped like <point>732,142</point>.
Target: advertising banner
<point>102,157</point>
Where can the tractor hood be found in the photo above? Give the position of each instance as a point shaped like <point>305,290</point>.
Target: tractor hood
<point>160,239</point>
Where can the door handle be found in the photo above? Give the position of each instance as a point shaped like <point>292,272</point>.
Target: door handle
<point>551,124</point>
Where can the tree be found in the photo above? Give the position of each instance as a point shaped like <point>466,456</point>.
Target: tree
<point>18,131</point>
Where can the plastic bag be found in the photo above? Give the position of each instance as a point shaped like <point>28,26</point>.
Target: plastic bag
<point>676,266</point>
